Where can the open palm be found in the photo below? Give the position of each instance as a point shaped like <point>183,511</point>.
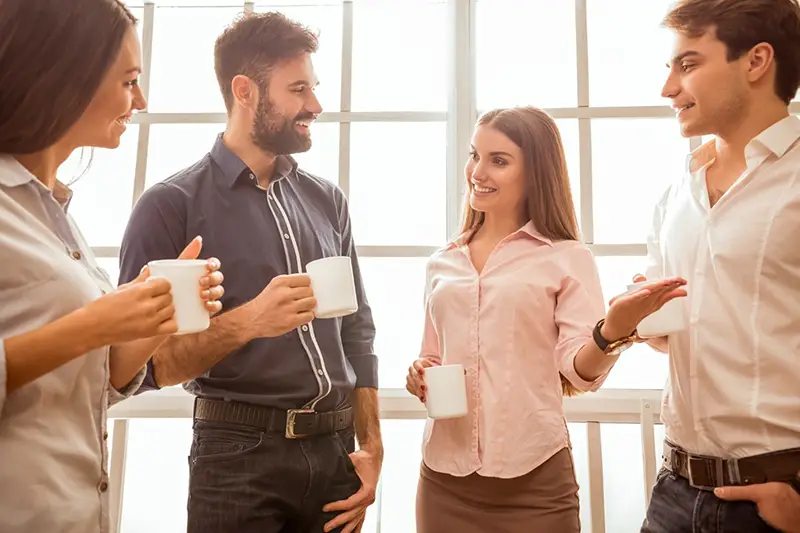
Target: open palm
<point>627,310</point>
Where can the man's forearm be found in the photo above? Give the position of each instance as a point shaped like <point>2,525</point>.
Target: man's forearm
<point>185,357</point>
<point>368,428</point>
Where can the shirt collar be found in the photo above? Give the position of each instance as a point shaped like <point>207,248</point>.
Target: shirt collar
<point>233,168</point>
<point>17,175</point>
<point>776,139</point>
<point>527,230</point>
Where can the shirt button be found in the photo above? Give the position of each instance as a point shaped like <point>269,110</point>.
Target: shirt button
<point>252,176</point>
<point>103,486</point>
<point>285,235</point>
<point>319,371</point>
<point>76,255</point>
<point>269,197</point>
<point>305,328</point>
<point>105,435</point>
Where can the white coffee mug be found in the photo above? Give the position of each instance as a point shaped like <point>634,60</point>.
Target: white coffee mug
<point>669,319</point>
<point>184,276</point>
<point>333,286</point>
<point>446,395</point>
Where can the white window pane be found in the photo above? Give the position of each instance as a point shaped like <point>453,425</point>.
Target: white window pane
<point>627,68</point>
<point>623,476</point>
<point>526,53</point>
<point>402,441</point>
<point>174,147</point>
<point>633,161</point>
<point>183,78</point>
<point>103,195</point>
<point>325,19</point>
<point>399,53</point>
<point>323,158</point>
<point>640,367</point>
<point>397,183</point>
<point>157,475</point>
<point>395,290</point>
<point>138,12</point>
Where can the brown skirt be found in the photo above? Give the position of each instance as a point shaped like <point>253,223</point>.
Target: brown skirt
<point>544,500</point>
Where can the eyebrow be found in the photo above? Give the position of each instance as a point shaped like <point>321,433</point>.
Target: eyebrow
<point>494,154</point>
<point>137,70</point>
<point>303,83</point>
<point>680,57</point>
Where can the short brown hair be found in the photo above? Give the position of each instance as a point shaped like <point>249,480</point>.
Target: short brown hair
<point>53,58</point>
<point>741,25</point>
<point>253,44</point>
<point>549,203</point>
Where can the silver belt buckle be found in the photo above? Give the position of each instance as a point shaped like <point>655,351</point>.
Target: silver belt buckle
<point>291,415</point>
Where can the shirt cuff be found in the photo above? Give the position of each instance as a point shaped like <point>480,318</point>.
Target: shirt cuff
<point>572,375</point>
<point>3,379</point>
<point>115,396</point>
<point>366,369</point>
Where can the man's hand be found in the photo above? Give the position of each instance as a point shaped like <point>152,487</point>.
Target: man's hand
<point>367,464</point>
<point>778,503</point>
<point>285,304</point>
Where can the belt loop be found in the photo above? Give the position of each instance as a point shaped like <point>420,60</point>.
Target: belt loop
<point>733,472</point>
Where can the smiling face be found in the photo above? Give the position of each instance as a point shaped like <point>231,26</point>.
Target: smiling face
<point>286,108</point>
<point>113,105</point>
<point>709,93</point>
<point>495,173</point>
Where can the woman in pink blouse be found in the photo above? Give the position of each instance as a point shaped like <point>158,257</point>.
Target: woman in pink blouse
<point>516,300</point>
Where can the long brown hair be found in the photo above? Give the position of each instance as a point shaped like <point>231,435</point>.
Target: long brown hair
<point>549,204</point>
<point>53,57</point>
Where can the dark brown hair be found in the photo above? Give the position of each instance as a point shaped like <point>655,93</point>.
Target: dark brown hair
<point>53,58</point>
<point>255,43</point>
<point>549,204</point>
<point>741,25</point>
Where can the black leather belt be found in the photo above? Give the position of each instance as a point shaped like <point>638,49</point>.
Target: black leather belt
<point>294,423</point>
<point>708,473</point>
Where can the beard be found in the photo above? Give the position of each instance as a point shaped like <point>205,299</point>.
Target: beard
<point>276,133</point>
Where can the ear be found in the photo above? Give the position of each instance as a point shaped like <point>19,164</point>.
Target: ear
<point>760,60</point>
<point>245,92</point>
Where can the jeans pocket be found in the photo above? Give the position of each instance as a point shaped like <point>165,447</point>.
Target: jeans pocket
<point>345,441</point>
<point>217,444</point>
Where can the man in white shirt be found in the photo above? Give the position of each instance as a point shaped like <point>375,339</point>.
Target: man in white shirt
<point>731,227</point>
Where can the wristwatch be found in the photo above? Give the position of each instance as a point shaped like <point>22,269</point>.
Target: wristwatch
<point>612,348</point>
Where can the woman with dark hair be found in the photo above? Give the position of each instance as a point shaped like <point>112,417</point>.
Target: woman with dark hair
<point>516,300</point>
<point>70,344</point>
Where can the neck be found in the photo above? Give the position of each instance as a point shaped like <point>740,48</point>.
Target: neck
<point>44,164</point>
<point>261,163</point>
<point>498,227</point>
<point>731,144</point>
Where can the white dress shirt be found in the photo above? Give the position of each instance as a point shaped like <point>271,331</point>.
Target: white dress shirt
<point>734,381</point>
<point>53,449</point>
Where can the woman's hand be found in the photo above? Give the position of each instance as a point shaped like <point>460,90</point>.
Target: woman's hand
<point>415,381</point>
<point>627,310</point>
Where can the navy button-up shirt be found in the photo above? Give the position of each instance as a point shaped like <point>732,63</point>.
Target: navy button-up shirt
<point>258,234</point>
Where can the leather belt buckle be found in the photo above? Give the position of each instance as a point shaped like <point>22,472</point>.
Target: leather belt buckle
<point>701,474</point>
<point>291,416</point>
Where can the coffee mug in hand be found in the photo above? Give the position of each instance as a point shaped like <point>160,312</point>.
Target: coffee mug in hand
<point>669,319</point>
<point>446,395</point>
<point>333,286</point>
<point>184,276</point>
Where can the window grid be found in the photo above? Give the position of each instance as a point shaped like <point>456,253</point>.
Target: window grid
<point>460,117</point>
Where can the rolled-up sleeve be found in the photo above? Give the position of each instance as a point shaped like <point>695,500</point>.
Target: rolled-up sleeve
<point>116,396</point>
<point>579,306</point>
<point>358,329</point>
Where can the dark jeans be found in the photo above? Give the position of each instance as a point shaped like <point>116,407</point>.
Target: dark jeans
<point>243,480</point>
<point>675,507</point>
